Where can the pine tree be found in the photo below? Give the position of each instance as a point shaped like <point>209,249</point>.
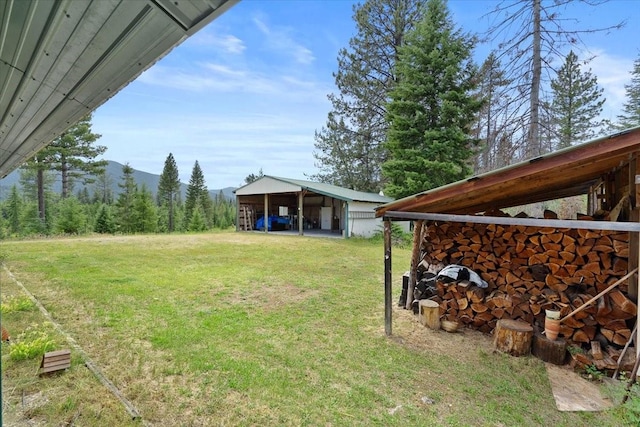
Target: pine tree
<point>577,103</point>
<point>252,177</point>
<point>71,219</point>
<point>37,185</point>
<point>197,220</point>
<point>197,194</point>
<point>432,108</point>
<point>126,199</point>
<point>13,211</point>
<point>146,216</point>
<point>631,108</point>
<point>349,149</point>
<point>169,189</point>
<point>102,191</point>
<point>105,223</point>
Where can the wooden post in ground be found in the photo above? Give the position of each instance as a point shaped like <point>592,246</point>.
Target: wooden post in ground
<point>266,213</point>
<point>415,258</point>
<point>387,277</point>
<point>300,211</point>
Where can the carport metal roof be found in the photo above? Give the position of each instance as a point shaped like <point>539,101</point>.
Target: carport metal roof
<point>273,184</point>
<point>60,59</point>
<point>564,173</point>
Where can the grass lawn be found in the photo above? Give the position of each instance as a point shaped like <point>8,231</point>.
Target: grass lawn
<point>252,329</point>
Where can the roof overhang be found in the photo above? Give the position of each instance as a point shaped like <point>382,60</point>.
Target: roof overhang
<point>61,59</point>
<point>569,172</point>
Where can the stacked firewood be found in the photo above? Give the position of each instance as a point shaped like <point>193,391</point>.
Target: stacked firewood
<point>529,270</point>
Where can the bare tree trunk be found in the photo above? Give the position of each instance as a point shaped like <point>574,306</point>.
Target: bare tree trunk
<point>533,138</point>
<point>64,173</point>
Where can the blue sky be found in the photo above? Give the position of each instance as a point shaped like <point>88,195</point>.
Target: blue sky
<point>250,89</point>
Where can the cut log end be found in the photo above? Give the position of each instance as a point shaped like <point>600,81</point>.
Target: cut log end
<point>513,337</point>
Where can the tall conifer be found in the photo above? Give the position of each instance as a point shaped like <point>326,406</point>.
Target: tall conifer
<point>432,107</point>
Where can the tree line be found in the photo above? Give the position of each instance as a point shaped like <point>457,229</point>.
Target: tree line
<point>413,111</point>
<point>34,208</point>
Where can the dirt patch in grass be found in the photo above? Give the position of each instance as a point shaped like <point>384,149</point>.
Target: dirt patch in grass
<point>272,298</point>
<point>411,334</point>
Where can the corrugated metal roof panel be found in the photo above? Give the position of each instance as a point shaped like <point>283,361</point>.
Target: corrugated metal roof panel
<point>338,192</point>
<point>564,173</point>
<point>59,60</point>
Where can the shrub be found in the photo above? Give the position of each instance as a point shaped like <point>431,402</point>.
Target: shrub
<point>33,342</point>
<point>12,303</point>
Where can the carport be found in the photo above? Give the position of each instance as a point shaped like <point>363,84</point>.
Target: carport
<point>292,204</point>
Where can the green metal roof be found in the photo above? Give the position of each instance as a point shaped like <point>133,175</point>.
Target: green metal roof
<point>335,191</point>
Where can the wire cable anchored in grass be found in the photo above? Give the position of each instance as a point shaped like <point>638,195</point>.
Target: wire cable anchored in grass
<point>133,412</point>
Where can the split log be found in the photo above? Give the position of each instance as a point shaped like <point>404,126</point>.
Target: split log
<point>530,269</point>
<point>513,337</point>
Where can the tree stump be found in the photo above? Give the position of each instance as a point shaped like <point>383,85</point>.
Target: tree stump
<point>429,313</point>
<point>513,337</point>
<point>552,351</point>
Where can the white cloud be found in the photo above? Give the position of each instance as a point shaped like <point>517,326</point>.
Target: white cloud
<point>279,40</point>
<point>208,77</point>
<point>613,72</point>
<point>228,43</point>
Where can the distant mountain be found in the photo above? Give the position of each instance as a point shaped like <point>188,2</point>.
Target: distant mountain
<point>114,170</point>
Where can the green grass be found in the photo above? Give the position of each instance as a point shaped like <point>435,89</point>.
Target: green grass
<point>252,329</point>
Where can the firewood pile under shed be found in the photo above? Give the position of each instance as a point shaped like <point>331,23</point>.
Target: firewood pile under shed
<point>583,270</point>
<point>529,270</point>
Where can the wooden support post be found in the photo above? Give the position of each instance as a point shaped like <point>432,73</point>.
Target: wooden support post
<point>636,241</point>
<point>387,277</point>
<point>266,213</point>
<point>300,211</point>
<point>415,258</point>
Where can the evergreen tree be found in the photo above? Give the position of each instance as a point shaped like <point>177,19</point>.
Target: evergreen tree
<point>105,223</point>
<point>197,220</point>
<point>349,149</point>
<point>71,218</point>
<point>197,195</point>
<point>30,221</point>
<point>253,177</point>
<point>225,212</point>
<point>37,186</point>
<point>83,196</point>
<point>73,155</point>
<point>102,191</point>
<point>146,217</point>
<point>577,103</point>
<point>432,107</point>
<point>169,189</point>
<point>631,108</point>
<point>13,211</point>
<point>125,202</point>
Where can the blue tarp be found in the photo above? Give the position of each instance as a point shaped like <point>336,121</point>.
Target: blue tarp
<point>274,222</point>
